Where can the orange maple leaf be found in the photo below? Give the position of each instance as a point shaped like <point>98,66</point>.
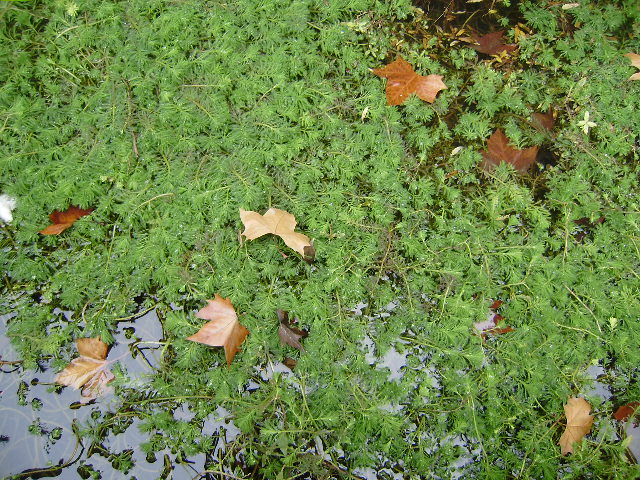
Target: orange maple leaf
<point>499,150</point>
<point>280,223</point>
<point>223,329</point>
<point>578,423</point>
<point>402,81</point>
<point>88,371</point>
<point>63,220</point>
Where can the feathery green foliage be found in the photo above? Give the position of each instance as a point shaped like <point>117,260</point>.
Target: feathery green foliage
<point>168,117</point>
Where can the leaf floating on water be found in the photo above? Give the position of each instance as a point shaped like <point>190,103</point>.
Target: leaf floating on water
<point>288,334</point>
<point>624,412</point>
<point>280,223</point>
<point>578,423</point>
<point>223,329</point>
<point>60,221</point>
<point>402,81</point>
<point>491,43</point>
<point>88,371</point>
<point>499,150</point>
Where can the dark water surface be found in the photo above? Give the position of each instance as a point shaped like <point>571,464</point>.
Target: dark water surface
<point>37,424</point>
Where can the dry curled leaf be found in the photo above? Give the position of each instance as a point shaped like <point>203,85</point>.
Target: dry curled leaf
<point>499,150</point>
<point>491,43</point>
<point>88,371</point>
<point>289,335</point>
<point>223,329</point>
<point>60,221</point>
<point>280,223</point>
<point>402,81</point>
<point>635,61</point>
<point>578,423</point>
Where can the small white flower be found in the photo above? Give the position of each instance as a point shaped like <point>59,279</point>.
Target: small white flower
<point>7,204</point>
<point>586,124</point>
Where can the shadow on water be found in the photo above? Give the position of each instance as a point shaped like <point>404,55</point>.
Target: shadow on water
<point>39,423</point>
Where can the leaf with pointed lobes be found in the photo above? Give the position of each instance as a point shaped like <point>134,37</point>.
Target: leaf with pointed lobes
<point>88,371</point>
<point>223,328</point>
<point>635,61</point>
<point>499,150</point>
<point>288,334</point>
<point>491,43</point>
<point>543,122</point>
<point>402,81</point>
<point>578,423</point>
<point>624,412</point>
<point>60,221</point>
<point>280,223</point>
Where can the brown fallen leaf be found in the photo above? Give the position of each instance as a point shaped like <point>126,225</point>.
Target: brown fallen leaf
<point>635,61</point>
<point>491,43</point>
<point>223,329</point>
<point>578,423</point>
<point>88,371</point>
<point>624,412</point>
<point>402,81</point>
<point>499,150</point>
<point>280,223</point>
<point>490,326</point>
<point>543,121</point>
<point>288,334</point>
<point>60,221</point>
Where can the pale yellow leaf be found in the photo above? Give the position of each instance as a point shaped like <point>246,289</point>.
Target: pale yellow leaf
<point>276,222</point>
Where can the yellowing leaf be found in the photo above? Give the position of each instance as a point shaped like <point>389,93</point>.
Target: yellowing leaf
<point>88,371</point>
<point>280,223</point>
<point>635,61</point>
<point>402,81</point>
<point>578,423</point>
<point>223,329</point>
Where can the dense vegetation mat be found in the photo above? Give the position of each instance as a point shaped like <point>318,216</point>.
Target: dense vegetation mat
<point>160,120</point>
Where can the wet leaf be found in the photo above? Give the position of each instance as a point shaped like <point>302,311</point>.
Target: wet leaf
<point>635,61</point>
<point>288,334</point>
<point>60,221</point>
<point>223,329</point>
<point>578,423</point>
<point>624,412</point>
<point>490,326</point>
<point>492,43</point>
<point>543,121</point>
<point>402,81</point>
<point>290,363</point>
<point>499,150</point>
<point>280,223</point>
<point>88,371</point>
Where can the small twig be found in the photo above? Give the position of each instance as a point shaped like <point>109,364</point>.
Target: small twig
<point>7,362</point>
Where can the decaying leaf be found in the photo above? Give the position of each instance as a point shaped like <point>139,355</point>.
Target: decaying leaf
<point>491,43</point>
<point>223,329</point>
<point>624,412</point>
<point>60,221</point>
<point>490,325</point>
<point>288,334</point>
<point>578,423</point>
<point>88,371</point>
<point>402,81</point>
<point>280,223</point>
<point>635,61</point>
<point>499,150</point>
<point>543,121</point>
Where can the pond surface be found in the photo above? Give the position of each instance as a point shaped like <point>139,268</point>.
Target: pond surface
<point>37,423</point>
